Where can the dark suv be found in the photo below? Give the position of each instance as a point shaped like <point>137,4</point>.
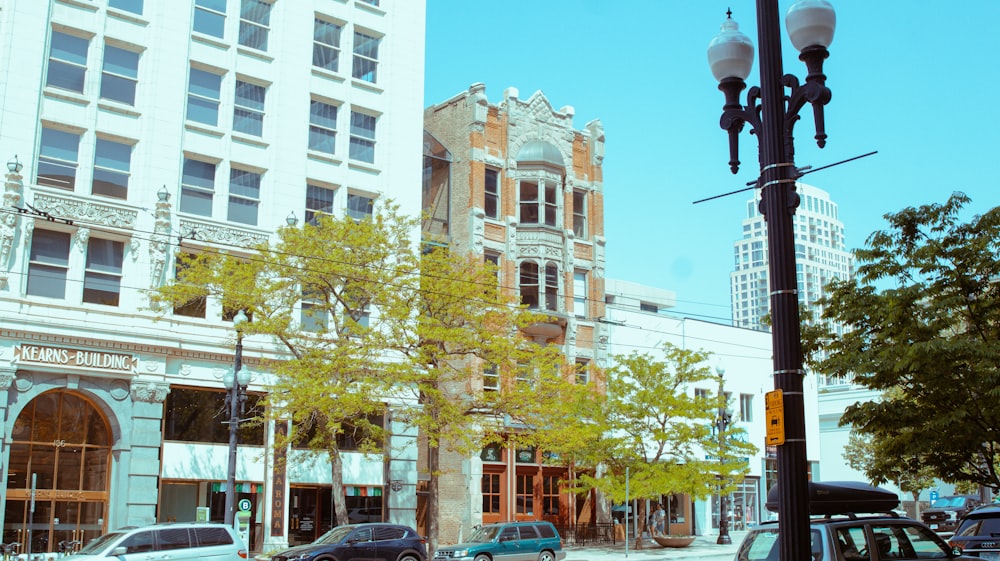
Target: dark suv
<point>361,542</point>
<point>978,533</point>
<point>844,535</point>
<point>507,541</point>
<point>944,513</point>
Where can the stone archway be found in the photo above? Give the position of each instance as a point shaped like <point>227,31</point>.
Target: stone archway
<point>60,448</point>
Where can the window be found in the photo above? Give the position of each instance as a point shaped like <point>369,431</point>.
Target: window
<point>551,287</point>
<point>313,317</point>
<point>210,17</point>
<point>529,286</point>
<point>580,294</point>
<point>365,57</point>
<point>525,497</point>
<point>67,62</point>
<point>493,259</point>
<point>326,45</point>
<point>112,161</point>
<point>248,115</point>
<point>244,196</point>
<point>550,499</point>
<point>48,264</point>
<point>119,75</point>
<point>197,187</point>
<point>649,307</point>
<point>746,407</point>
<point>492,193</point>
<point>700,393</point>
<point>204,92</point>
<point>134,6</point>
<point>322,127</point>
<point>582,371</point>
<point>103,278</point>
<point>362,137</point>
<point>195,306</point>
<point>319,200</point>
<point>255,17</point>
<point>580,214</point>
<point>491,378</point>
<point>359,207</point>
<point>196,415</point>
<point>491,493</point>
<point>534,208</point>
<point>372,2</point>
<point>57,158</point>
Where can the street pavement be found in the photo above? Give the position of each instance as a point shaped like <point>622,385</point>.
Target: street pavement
<point>704,548</point>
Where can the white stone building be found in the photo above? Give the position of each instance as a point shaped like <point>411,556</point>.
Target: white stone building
<point>145,127</point>
<point>638,319</point>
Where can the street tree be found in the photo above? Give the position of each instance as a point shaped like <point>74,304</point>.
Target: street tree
<point>314,291</point>
<point>910,475</point>
<point>464,328</point>
<point>921,323</point>
<point>659,431</point>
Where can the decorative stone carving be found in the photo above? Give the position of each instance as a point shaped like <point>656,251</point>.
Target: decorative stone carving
<point>7,377</point>
<point>216,233</point>
<point>119,390</point>
<point>478,226</point>
<point>150,392</point>
<point>184,370</point>
<point>75,209</point>
<point>82,237</point>
<point>8,226</point>
<point>159,242</point>
<point>24,382</point>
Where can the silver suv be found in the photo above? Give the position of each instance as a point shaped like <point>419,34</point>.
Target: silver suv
<point>842,535</point>
<point>194,541</point>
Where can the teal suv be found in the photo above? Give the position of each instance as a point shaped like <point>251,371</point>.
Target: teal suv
<point>507,541</point>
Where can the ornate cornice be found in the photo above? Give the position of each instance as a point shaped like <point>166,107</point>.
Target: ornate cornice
<point>76,209</point>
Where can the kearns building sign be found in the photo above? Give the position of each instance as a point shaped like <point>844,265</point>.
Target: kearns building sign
<point>76,358</point>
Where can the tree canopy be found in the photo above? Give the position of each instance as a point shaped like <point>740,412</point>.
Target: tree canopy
<point>921,323</point>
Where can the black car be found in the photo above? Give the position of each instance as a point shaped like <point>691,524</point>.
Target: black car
<point>361,542</point>
<point>944,513</point>
<point>978,534</point>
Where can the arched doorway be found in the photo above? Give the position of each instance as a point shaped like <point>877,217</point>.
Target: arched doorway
<point>61,446</point>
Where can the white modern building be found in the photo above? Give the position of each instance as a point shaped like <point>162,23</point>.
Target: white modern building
<point>820,255</point>
<point>639,321</point>
<point>144,128</point>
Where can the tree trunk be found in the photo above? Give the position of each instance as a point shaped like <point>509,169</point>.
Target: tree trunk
<point>640,526</point>
<point>339,502</point>
<point>916,504</point>
<point>433,460</point>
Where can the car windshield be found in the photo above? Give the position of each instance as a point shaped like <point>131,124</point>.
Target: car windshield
<point>762,545</point>
<point>484,534</point>
<point>99,543</point>
<point>948,502</point>
<point>335,535</point>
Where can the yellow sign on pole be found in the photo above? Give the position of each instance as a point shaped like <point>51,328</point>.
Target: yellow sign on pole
<point>775,413</point>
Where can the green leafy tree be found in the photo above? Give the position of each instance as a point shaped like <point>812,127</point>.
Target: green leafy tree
<point>312,291</point>
<point>461,324</point>
<point>922,321</point>
<point>660,433</point>
<point>864,454</point>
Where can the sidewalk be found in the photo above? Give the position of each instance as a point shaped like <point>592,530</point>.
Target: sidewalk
<point>704,548</point>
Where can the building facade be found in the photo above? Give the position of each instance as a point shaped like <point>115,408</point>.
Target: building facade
<point>639,320</point>
<point>145,128</point>
<point>515,182</point>
<point>821,255</point>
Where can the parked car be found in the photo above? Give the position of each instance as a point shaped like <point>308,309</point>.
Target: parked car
<point>978,534</point>
<point>944,513</point>
<point>857,523</point>
<point>177,541</point>
<point>507,540</point>
<point>361,542</point>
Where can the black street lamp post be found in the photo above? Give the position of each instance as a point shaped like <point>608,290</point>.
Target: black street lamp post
<point>236,384</point>
<point>722,423</point>
<point>772,116</point>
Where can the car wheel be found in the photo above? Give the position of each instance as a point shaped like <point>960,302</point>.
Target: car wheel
<point>409,557</point>
<point>482,557</point>
<point>546,556</point>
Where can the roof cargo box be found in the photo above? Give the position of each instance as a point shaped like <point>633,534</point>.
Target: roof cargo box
<point>841,497</point>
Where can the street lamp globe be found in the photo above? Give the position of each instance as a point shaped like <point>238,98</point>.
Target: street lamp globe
<point>730,53</point>
<point>810,23</point>
<point>228,378</point>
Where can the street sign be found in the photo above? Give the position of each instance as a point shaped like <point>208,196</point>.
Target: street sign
<point>775,413</point>
<point>244,505</point>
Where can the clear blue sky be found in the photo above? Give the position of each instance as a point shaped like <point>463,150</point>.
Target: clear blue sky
<point>916,80</point>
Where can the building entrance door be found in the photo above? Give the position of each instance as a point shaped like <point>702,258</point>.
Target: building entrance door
<point>61,451</point>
